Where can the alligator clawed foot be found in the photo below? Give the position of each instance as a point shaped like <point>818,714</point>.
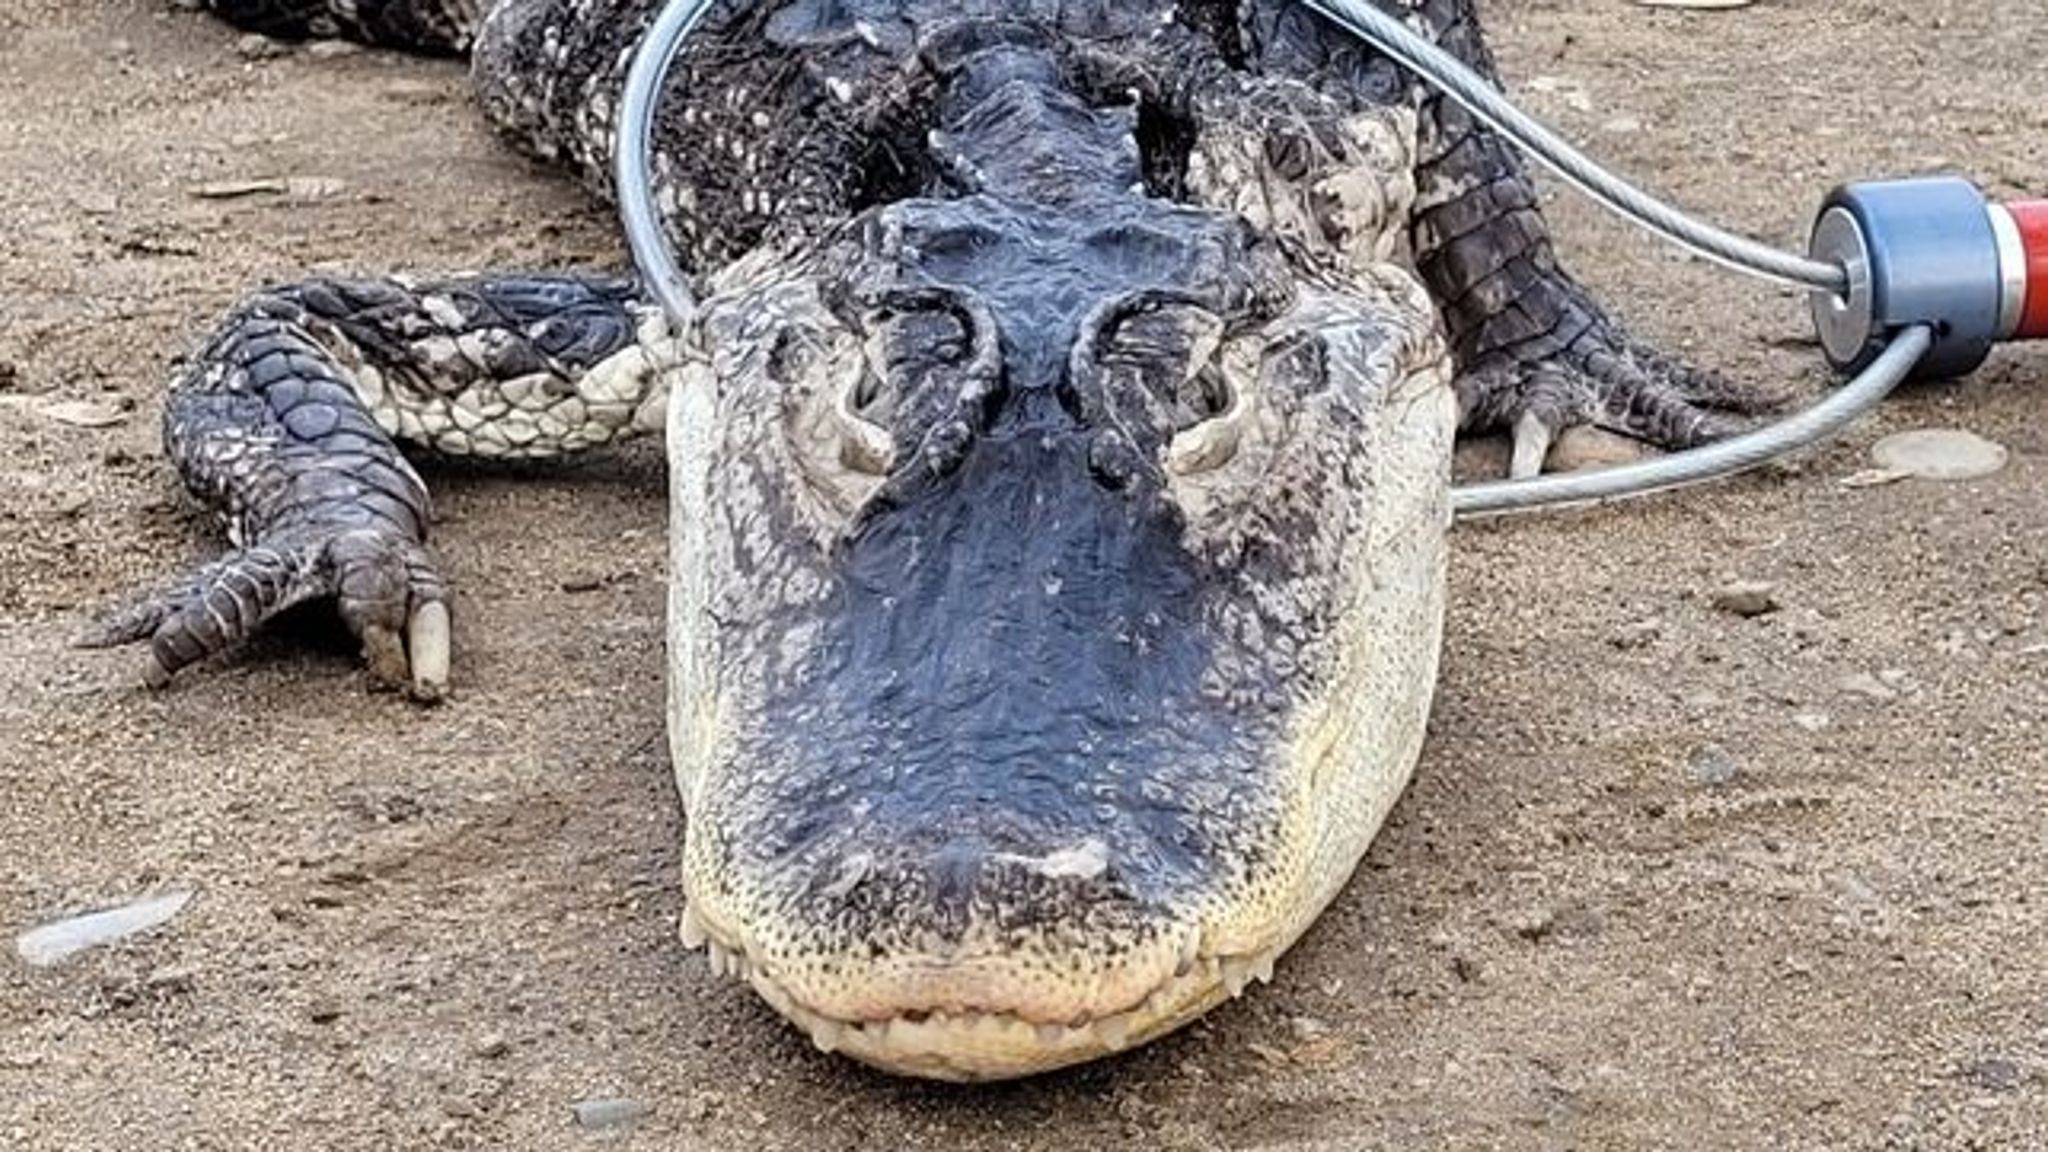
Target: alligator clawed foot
<point>1607,380</point>
<point>385,587</point>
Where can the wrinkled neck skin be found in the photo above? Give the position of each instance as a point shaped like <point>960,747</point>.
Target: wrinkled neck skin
<point>1010,129</point>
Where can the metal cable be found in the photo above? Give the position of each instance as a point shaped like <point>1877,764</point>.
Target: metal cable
<point>665,279</point>
<point>1481,99</point>
<point>1715,461</point>
<point>631,165</point>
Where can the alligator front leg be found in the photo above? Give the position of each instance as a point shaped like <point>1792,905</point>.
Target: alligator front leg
<point>436,27</point>
<point>1537,353</point>
<point>288,422</point>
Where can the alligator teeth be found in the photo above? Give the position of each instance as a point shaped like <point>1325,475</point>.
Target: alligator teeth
<point>991,1026</point>
<point>726,962</point>
<point>827,1034</point>
<point>1262,968</point>
<point>694,935</point>
<point>1052,1035</point>
<point>1190,954</point>
<point>1114,1031</point>
<point>1237,972</point>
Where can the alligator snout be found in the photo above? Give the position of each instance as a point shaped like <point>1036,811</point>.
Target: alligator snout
<point>934,945</point>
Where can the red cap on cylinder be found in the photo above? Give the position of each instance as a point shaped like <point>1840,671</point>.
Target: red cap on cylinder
<point>2032,217</point>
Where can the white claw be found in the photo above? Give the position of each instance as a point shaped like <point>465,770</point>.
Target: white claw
<point>427,645</point>
<point>1533,439</point>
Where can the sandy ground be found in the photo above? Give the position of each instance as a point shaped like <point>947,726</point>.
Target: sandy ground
<point>1667,878</point>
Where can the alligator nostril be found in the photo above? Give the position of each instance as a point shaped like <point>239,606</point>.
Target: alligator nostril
<point>1113,460</point>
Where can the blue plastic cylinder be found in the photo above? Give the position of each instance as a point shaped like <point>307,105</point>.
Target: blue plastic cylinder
<point>1918,251</point>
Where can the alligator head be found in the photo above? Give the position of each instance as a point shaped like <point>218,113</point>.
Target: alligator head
<point>1056,583</point>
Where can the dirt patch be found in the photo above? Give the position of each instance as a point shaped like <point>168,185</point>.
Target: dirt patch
<point>1668,877</point>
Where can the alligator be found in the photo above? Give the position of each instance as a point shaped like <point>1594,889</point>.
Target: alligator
<point>1059,470</point>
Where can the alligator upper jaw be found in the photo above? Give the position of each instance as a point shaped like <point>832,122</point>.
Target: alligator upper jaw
<point>977,835</point>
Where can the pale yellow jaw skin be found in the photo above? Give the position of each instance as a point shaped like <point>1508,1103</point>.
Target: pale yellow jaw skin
<point>983,1046</point>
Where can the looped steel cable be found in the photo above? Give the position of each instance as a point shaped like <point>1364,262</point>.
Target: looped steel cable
<point>665,279</point>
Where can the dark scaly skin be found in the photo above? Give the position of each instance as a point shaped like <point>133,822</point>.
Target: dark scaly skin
<point>439,27</point>
<point>316,497</point>
<point>268,423</point>
<point>1531,341</point>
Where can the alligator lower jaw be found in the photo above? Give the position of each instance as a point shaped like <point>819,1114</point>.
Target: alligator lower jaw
<point>987,1046</point>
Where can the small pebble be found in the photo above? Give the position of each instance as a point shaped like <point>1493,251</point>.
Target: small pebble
<point>84,414</point>
<point>1941,454</point>
<point>172,976</point>
<point>1868,687</point>
<point>1637,634</point>
<point>1747,598</point>
<point>492,1046</point>
<point>1713,766</point>
<point>1585,448</point>
<point>1308,1028</point>
<point>256,46</point>
<point>610,1112</point>
<point>333,49</point>
<point>1533,923</point>
<point>1998,1073</point>
<point>1812,721</point>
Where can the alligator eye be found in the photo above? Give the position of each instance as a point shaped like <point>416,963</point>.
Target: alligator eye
<point>904,344</point>
<point>1147,363</point>
<point>1212,443</point>
<point>1176,346</point>
<point>864,445</point>
<point>931,371</point>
